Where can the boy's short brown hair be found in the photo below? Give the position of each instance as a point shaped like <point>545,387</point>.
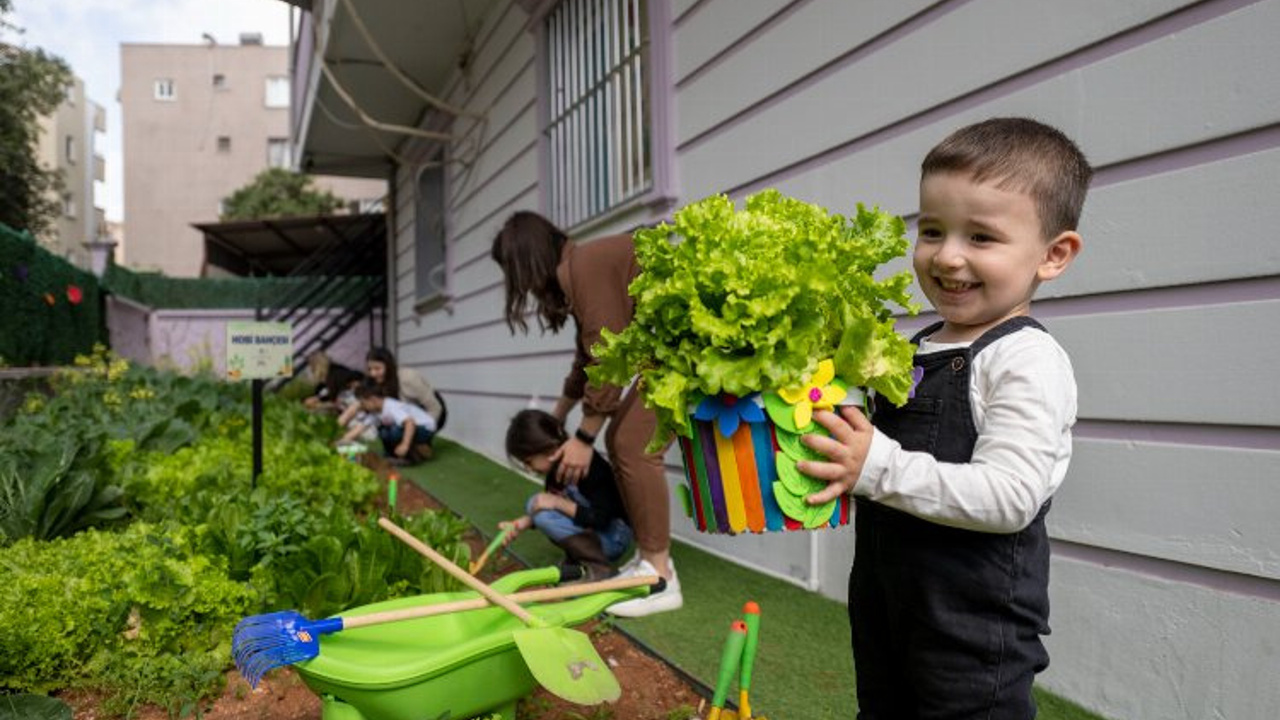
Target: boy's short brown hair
<point>1022,155</point>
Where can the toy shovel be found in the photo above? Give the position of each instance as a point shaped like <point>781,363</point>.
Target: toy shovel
<point>493,545</point>
<point>562,660</point>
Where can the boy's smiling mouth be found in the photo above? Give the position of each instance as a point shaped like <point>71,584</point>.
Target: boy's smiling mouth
<point>954,286</point>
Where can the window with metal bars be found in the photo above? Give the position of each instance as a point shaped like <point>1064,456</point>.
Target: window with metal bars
<point>597,132</point>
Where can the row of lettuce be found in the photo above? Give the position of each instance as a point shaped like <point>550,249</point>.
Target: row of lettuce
<point>133,536</point>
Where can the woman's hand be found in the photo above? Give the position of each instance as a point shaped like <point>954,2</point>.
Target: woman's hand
<point>574,457</point>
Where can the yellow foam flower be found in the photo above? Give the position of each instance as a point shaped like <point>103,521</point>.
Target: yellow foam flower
<point>817,394</point>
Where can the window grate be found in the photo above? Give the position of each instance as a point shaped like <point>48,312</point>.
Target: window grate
<point>598,134</point>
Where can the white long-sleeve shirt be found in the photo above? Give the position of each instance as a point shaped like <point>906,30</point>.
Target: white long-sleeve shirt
<point>1023,395</point>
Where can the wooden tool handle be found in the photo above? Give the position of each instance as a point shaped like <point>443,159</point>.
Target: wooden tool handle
<point>556,593</point>
<point>462,575</point>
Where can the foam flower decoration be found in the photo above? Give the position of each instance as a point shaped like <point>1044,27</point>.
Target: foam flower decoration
<point>729,411</point>
<point>50,299</point>
<point>74,294</point>
<point>817,394</point>
<point>917,374</point>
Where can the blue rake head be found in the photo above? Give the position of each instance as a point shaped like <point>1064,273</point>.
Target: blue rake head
<point>263,642</point>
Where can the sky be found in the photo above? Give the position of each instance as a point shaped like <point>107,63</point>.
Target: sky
<point>88,33</point>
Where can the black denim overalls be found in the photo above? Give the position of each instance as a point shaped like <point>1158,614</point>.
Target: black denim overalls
<point>946,622</point>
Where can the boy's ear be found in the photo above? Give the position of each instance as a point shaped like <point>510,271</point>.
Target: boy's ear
<point>1058,255</point>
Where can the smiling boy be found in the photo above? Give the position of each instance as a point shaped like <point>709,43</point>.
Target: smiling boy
<point>948,597</point>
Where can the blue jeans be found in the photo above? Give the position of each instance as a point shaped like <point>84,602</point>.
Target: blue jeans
<point>391,435</point>
<point>557,526</point>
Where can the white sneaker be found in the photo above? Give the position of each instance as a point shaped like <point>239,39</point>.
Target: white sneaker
<point>628,568</point>
<point>669,599</point>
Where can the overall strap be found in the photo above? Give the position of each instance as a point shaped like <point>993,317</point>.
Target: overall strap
<point>915,339</point>
<point>1008,327</point>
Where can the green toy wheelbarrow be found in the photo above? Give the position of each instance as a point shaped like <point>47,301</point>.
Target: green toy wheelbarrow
<point>447,666</point>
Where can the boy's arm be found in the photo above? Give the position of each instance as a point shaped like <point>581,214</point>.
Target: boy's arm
<point>1019,459</point>
<point>407,441</point>
<point>353,433</point>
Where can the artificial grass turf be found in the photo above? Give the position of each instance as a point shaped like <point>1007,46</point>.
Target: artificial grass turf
<point>803,669</point>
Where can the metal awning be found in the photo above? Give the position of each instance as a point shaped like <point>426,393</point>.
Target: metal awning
<point>424,43</point>
<point>282,246</point>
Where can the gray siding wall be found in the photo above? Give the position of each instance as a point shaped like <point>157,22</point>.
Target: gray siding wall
<point>1166,584</point>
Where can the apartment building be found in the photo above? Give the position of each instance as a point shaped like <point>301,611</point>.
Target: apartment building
<point>70,143</point>
<point>199,122</point>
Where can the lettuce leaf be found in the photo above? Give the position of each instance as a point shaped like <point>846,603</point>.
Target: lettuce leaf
<point>749,300</point>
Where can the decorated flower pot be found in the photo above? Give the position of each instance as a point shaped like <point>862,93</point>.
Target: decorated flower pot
<point>740,459</point>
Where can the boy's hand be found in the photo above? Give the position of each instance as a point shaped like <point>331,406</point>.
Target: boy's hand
<point>547,501</point>
<point>401,450</point>
<point>517,526</point>
<point>846,451</point>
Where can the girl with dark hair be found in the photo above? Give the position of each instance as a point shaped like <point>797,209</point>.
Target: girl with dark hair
<point>556,279</point>
<point>586,520</point>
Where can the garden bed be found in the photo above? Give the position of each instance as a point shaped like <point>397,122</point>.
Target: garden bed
<point>651,688</point>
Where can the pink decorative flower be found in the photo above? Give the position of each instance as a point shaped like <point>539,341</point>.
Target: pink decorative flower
<point>74,294</point>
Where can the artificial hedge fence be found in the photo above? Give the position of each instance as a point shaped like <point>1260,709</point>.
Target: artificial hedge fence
<point>50,310</point>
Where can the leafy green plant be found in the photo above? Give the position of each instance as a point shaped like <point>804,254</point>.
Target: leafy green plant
<point>26,706</point>
<point>119,612</point>
<point>47,493</point>
<point>753,300</point>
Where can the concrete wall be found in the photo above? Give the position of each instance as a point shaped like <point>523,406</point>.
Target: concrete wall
<point>1166,575</point>
<point>174,172</point>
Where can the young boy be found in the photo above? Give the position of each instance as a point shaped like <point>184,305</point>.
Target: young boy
<point>587,518</point>
<point>949,596</point>
<point>404,428</point>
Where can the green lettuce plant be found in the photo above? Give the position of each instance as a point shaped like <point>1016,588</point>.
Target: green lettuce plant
<point>741,301</point>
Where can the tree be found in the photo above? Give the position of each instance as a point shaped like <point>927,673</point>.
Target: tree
<point>278,193</point>
<point>32,84</point>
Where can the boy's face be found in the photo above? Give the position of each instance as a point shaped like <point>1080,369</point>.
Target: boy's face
<point>371,404</point>
<point>980,253</point>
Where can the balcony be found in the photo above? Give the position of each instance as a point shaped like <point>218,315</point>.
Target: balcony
<point>379,65</point>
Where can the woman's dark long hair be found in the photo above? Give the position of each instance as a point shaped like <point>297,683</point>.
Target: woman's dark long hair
<point>390,381</point>
<point>533,432</point>
<point>527,248</point>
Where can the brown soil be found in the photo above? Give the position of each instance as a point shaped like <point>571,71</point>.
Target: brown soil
<point>651,690</point>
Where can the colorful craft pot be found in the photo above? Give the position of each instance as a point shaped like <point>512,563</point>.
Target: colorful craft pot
<point>746,480</point>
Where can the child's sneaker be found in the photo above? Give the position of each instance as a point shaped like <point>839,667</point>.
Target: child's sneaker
<point>669,598</point>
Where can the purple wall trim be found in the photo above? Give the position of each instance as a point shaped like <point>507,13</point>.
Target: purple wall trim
<point>1137,36</point>
<point>1241,437</point>
<point>742,41</point>
<point>1168,570</point>
<point>888,37</point>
